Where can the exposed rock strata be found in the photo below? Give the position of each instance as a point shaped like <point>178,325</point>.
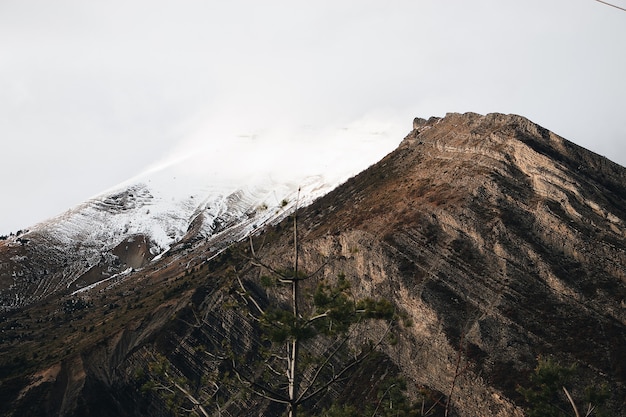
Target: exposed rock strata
<point>504,236</point>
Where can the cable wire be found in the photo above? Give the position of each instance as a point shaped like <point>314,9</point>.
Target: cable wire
<point>612,5</point>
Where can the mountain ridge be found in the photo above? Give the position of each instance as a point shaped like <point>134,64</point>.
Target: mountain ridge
<point>95,230</point>
<point>534,225</point>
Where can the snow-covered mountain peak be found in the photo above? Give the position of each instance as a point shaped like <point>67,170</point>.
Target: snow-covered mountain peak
<point>212,195</point>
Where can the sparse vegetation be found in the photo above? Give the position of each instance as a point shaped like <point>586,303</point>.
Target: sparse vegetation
<point>547,394</point>
<point>331,312</point>
<point>325,315</point>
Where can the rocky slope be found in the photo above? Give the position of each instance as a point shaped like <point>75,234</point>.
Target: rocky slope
<point>499,241</point>
<point>500,235</point>
<point>129,226</point>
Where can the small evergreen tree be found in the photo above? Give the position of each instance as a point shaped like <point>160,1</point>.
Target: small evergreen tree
<point>547,395</point>
<point>331,312</point>
<point>323,318</point>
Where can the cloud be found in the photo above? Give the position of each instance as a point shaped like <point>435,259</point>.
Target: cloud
<point>96,92</point>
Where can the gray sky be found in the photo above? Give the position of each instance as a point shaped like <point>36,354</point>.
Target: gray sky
<point>94,92</point>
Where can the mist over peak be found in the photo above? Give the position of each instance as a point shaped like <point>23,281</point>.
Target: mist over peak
<point>221,154</point>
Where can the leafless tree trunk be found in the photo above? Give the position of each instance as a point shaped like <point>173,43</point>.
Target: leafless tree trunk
<point>294,384</point>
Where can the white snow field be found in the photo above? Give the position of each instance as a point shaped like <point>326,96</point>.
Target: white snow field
<point>221,189</point>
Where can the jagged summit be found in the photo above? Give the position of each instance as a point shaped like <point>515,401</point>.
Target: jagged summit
<point>499,241</point>
<point>465,159</point>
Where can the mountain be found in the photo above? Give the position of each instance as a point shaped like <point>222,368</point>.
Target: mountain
<point>499,242</point>
<point>216,194</point>
<point>129,227</point>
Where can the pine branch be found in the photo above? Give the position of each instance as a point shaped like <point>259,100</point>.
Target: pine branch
<point>260,390</point>
<point>317,317</point>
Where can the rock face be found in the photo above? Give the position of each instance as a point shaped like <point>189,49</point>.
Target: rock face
<point>500,242</point>
<point>496,233</point>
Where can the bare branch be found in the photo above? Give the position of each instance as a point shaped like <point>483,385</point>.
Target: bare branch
<point>295,237</point>
<point>612,5</point>
<point>215,357</point>
<point>256,261</point>
<point>457,372</point>
<point>281,276</point>
<point>337,376</point>
<point>571,401</point>
<point>163,387</point>
<point>260,390</point>
<point>274,371</point>
<point>252,247</point>
<point>590,409</point>
<point>318,270</point>
<point>319,316</point>
<point>382,397</point>
<point>198,321</point>
<point>197,404</point>
<point>258,307</point>
<point>321,367</point>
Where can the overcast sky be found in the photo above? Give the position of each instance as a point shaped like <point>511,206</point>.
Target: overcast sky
<point>94,92</point>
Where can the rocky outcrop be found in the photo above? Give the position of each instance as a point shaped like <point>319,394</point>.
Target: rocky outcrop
<point>496,235</point>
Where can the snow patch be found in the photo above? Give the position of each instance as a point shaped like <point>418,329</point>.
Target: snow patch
<point>95,284</point>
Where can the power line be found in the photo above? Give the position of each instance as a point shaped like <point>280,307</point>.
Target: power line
<point>612,5</point>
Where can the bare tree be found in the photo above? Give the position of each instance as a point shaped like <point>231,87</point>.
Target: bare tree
<point>332,313</point>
